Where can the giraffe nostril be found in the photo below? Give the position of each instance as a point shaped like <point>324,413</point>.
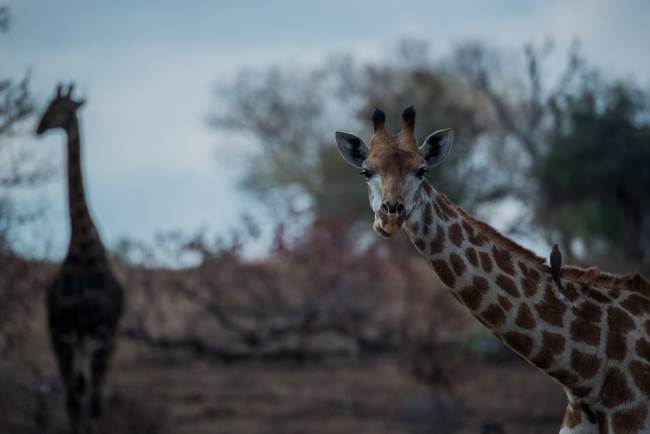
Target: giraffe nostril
<point>392,208</point>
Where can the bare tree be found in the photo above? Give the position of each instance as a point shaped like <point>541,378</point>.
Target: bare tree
<point>18,168</point>
<point>523,112</point>
<point>4,19</point>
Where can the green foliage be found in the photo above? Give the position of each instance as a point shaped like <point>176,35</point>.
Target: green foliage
<point>594,180</point>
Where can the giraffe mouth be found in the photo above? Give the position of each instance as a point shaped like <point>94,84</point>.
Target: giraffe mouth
<point>388,225</point>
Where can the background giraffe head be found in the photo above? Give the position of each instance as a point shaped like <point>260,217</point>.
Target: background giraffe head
<point>394,166</point>
<point>61,111</point>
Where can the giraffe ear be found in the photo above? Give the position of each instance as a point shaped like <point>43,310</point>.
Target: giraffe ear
<point>79,103</point>
<point>437,146</point>
<point>352,148</point>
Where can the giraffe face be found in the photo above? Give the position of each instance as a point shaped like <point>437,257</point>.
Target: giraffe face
<point>59,113</point>
<point>393,177</point>
<point>394,167</point>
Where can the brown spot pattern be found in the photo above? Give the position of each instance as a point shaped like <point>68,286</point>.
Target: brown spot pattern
<point>439,213</point>
<point>437,245</point>
<point>447,209</point>
<point>595,294</point>
<point>444,273</point>
<point>469,229</point>
<point>636,304</point>
<point>530,280</point>
<point>473,235</point>
<point>616,348</point>
<point>589,311</point>
<point>619,321</point>
<point>471,256</point>
<point>583,330</point>
<point>629,421</point>
<point>507,285</point>
<point>586,365</point>
<point>643,349</point>
<point>504,303</point>
<point>456,235</point>
<point>581,392</point>
<point>615,390</point>
<point>428,189</point>
<point>552,345</point>
<point>550,308</point>
<point>420,244</point>
<point>584,327</point>
<point>415,227</point>
<point>615,293</point>
<point>570,291</point>
<point>565,377</point>
<point>522,266</point>
<point>525,318</point>
<point>486,262</point>
<point>503,260</point>
<point>494,315</point>
<point>457,264</point>
<point>473,294</point>
<point>519,342</point>
<point>641,375</point>
<point>428,215</point>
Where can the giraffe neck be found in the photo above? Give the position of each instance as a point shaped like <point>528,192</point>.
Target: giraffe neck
<point>84,236</point>
<point>506,287</point>
<point>594,340</point>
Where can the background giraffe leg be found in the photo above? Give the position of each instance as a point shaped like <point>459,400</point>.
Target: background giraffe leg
<point>99,366</point>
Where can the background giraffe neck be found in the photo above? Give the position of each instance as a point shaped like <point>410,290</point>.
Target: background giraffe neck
<point>82,226</point>
<point>506,287</point>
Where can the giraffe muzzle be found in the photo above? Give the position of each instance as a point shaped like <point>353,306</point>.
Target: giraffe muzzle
<point>390,208</point>
<point>390,218</point>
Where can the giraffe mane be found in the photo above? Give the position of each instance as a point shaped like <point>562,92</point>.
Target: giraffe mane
<point>498,238</point>
<point>634,282</point>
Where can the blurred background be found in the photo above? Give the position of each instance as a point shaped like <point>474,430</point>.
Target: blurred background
<point>259,299</point>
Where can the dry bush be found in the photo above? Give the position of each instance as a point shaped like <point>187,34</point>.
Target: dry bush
<point>325,290</point>
<point>317,294</point>
<point>21,284</point>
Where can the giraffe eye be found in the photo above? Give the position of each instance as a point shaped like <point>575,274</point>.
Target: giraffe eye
<point>420,172</point>
<point>367,174</point>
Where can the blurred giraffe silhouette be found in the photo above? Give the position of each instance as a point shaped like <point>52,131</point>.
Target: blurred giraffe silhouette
<point>84,301</point>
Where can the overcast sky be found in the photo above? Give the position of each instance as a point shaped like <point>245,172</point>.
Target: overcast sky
<point>148,70</point>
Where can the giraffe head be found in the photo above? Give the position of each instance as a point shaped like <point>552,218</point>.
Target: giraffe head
<point>394,166</point>
<point>60,112</point>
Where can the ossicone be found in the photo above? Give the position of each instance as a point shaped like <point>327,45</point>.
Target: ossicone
<point>378,119</point>
<point>408,117</point>
<point>68,94</point>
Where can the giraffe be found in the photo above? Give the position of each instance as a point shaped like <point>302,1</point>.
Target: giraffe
<point>84,301</point>
<point>591,334</point>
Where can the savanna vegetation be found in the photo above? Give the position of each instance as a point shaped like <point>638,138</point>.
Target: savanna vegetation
<point>333,329</point>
